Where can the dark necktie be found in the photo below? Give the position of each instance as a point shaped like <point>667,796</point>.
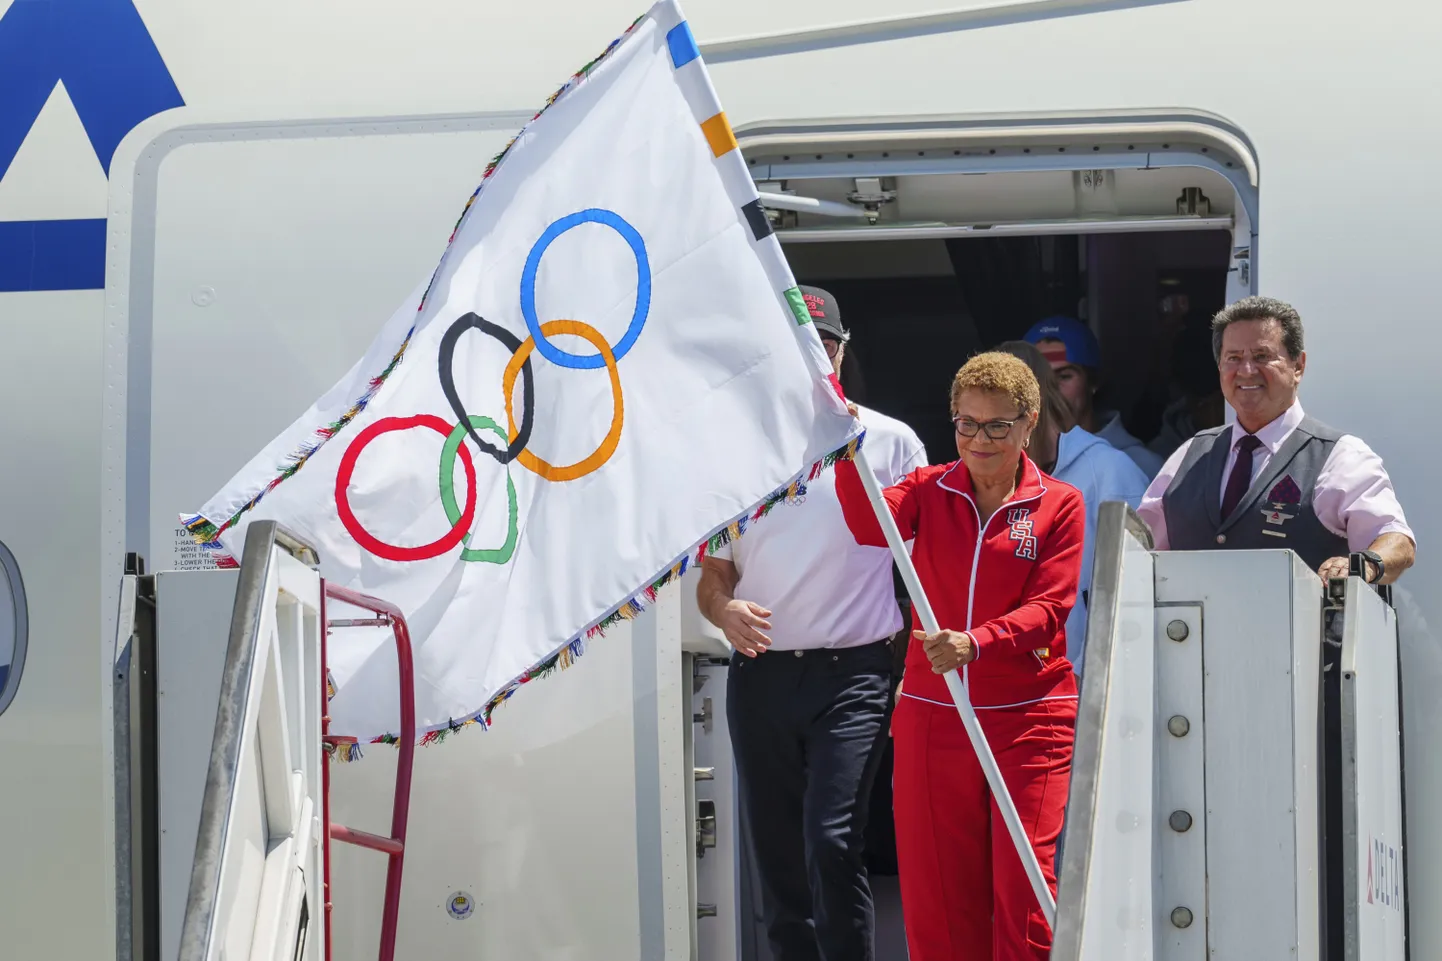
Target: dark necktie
<point>1241,477</point>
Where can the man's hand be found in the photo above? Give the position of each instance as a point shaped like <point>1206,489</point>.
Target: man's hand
<point>1340,567</point>
<point>743,623</point>
<point>946,650</point>
<point>1396,550</point>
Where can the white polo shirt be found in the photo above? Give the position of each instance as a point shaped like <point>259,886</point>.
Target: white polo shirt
<point>801,562</point>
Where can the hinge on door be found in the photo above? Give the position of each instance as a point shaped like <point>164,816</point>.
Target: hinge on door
<point>705,717</point>
<point>1242,264</point>
<point>705,826</point>
<point>871,193</point>
<point>780,219</point>
<point>1194,203</point>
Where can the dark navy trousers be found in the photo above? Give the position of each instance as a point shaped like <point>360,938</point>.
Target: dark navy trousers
<point>807,731</point>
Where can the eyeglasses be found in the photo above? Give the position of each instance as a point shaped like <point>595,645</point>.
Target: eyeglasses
<point>995,429</point>
<point>832,345</point>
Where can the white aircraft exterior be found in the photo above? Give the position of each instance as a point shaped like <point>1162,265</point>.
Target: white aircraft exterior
<point>208,210</point>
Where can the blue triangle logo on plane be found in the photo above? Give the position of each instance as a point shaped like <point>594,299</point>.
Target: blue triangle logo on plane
<point>116,78</point>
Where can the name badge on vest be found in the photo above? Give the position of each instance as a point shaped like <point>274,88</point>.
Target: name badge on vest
<point>1285,496</point>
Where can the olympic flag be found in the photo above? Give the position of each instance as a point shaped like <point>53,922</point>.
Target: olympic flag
<point>610,372</point>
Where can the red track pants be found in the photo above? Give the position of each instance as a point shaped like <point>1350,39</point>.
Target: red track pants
<point>964,892</point>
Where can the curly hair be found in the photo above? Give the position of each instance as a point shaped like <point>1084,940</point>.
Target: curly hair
<point>999,373</point>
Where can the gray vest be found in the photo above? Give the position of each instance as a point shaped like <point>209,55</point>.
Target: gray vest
<point>1275,513</point>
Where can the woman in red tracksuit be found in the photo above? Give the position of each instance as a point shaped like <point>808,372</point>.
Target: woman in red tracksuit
<point>998,548</point>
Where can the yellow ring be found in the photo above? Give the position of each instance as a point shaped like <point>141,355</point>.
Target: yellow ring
<point>602,453</point>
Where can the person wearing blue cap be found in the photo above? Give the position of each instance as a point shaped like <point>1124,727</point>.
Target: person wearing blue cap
<point>1076,359</point>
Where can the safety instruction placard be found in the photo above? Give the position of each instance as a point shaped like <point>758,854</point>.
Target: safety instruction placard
<point>187,555</point>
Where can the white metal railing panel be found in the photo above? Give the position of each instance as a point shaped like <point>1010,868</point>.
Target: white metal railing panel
<point>273,721</point>
<point>1259,674</point>
<point>1118,925</point>
<point>1420,652</point>
<point>1308,769</point>
<point>254,889</point>
<point>1104,908</point>
<point>1180,827</point>
<point>1372,769</point>
<point>192,628</point>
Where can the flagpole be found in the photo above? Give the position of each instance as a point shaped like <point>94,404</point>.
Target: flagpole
<point>958,693</point>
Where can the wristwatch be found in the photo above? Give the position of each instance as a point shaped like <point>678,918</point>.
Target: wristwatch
<point>1376,559</point>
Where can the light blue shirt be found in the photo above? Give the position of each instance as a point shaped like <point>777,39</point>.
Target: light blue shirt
<point>1101,473</point>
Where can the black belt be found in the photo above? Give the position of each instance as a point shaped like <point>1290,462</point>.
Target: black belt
<point>841,655</point>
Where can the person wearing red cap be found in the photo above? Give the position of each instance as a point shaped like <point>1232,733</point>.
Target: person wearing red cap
<point>1076,360</point>
<point>810,614</point>
<point>998,549</point>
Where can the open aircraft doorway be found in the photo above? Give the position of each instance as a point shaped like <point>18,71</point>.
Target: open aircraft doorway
<point>942,237</point>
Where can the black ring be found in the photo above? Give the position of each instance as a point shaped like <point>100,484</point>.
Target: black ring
<point>448,384</point>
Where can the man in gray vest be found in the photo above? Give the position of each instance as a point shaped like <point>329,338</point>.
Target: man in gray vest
<point>1277,478</point>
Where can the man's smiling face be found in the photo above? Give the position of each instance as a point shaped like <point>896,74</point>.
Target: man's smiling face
<point>1259,380</point>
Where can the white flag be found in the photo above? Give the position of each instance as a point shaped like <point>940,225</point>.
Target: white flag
<point>610,370</point>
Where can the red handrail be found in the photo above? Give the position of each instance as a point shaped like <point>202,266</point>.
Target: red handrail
<point>394,846</point>
<point>325,771</point>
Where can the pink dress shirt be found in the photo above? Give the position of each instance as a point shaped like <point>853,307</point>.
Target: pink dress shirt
<point>1353,496</point>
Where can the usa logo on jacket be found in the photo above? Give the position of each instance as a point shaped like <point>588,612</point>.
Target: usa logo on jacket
<point>1021,532</point>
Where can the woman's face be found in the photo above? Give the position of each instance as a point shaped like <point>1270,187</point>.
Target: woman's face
<point>988,456</point>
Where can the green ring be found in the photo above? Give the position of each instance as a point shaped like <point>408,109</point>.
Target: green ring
<point>499,555</point>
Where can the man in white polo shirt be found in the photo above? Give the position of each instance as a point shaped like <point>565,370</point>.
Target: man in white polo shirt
<point>810,614</point>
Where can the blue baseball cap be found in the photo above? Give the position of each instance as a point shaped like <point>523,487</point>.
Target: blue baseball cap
<point>1079,343</point>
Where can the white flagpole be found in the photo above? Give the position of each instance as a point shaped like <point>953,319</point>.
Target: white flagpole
<point>958,693</point>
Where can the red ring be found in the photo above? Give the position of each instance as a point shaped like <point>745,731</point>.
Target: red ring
<point>364,538</point>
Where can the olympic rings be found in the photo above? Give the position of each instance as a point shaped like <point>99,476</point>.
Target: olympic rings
<point>516,440</point>
<point>454,443</point>
<point>446,369</point>
<point>602,453</point>
<point>555,355</point>
<point>460,525</point>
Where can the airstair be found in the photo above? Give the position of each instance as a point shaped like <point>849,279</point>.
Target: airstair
<point>248,808</point>
<point>1238,786</point>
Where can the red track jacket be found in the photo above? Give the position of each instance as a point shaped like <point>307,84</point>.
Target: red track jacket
<point>1011,587</point>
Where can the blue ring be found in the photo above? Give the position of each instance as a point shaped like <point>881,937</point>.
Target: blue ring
<point>592,215</point>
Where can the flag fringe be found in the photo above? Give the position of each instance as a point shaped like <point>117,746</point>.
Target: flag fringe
<point>343,752</point>
<point>205,531</point>
<point>791,493</point>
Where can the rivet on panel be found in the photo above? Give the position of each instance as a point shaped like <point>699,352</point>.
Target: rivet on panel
<point>1180,821</point>
<point>1182,917</point>
<point>1178,725</point>
<point>1178,630</point>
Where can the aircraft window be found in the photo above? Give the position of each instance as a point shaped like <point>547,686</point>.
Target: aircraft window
<point>14,627</point>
